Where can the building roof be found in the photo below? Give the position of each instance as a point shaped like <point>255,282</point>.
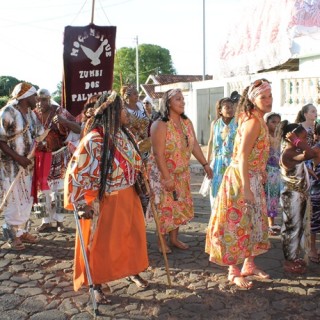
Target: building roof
<point>164,79</point>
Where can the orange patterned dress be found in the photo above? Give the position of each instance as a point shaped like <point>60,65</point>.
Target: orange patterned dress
<point>115,239</point>
<point>236,232</point>
<point>178,149</point>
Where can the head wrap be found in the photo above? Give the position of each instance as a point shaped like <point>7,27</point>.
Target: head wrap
<point>254,90</point>
<point>43,93</point>
<point>173,92</point>
<point>163,102</point>
<point>109,98</point>
<point>23,90</point>
<point>147,99</point>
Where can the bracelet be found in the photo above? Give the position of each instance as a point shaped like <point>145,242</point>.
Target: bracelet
<point>296,141</point>
<point>205,164</point>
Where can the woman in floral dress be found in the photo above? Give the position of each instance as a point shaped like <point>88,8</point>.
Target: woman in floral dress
<point>238,227</point>
<point>173,141</point>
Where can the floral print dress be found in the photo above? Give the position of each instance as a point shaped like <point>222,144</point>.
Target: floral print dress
<point>237,231</point>
<point>179,145</point>
<point>273,183</point>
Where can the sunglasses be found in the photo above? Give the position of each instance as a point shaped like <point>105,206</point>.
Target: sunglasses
<point>259,82</point>
<point>146,103</point>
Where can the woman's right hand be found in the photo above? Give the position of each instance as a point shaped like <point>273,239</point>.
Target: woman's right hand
<point>248,196</point>
<point>86,212</point>
<point>168,185</point>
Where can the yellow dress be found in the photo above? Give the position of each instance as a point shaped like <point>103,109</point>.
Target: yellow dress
<point>235,231</point>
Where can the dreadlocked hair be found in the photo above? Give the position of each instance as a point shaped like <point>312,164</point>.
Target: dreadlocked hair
<point>244,105</point>
<point>109,121</point>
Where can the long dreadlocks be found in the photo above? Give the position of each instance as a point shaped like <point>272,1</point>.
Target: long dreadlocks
<point>109,121</point>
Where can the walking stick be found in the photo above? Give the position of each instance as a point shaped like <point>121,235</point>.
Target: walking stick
<point>21,169</point>
<point>156,219</point>
<point>86,263</point>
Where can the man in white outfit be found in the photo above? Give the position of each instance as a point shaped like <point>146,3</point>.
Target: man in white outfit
<point>19,127</point>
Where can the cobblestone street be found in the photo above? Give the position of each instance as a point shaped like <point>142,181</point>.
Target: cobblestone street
<point>37,282</point>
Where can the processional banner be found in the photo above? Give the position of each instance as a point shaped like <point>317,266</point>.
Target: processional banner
<point>88,60</point>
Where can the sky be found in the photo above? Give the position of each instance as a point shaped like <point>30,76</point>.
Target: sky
<point>31,32</point>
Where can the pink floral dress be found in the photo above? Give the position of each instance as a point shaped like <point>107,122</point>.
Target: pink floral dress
<point>235,231</point>
<point>179,145</point>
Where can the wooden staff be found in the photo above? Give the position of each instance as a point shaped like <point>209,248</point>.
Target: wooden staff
<point>156,219</point>
<point>21,169</point>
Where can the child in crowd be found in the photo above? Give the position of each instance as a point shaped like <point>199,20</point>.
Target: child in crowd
<point>315,201</point>
<point>272,186</point>
<point>295,199</point>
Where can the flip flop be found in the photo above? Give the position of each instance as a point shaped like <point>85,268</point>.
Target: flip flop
<point>294,267</point>
<point>272,232</point>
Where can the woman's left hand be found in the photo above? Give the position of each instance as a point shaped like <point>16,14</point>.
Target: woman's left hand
<point>208,171</point>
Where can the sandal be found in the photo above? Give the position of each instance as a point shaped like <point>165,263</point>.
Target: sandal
<point>235,277</point>
<point>272,232</point>
<point>28,238</point>
<point>16,245</point>
<point>60,227</point>
<point>250,269</point>
<point>140,283</point>
<point>294,267</point>
<point>100,296</point>
<point>43,227</point>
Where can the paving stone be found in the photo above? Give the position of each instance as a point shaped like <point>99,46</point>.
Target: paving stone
<point>14,314</point>
<point>37,283</point>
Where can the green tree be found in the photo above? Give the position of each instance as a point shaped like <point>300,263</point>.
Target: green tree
<point>7,83</point>
<point>56,96</point>
<point>152,59</point>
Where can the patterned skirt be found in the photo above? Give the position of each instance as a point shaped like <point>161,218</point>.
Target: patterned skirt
<point>237,231</point>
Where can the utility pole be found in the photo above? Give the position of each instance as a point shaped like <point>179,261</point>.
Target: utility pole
<point>137,62</point>
<point>204,40</point>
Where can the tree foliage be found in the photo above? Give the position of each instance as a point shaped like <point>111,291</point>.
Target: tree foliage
<point>153,59</point>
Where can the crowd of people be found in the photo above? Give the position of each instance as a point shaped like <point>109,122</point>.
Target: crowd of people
<point>127,162</point>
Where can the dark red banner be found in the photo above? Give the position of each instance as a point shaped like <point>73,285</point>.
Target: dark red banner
<point>88,58</point>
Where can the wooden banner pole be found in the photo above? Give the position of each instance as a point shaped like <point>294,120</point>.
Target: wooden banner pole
<point>92,11</point>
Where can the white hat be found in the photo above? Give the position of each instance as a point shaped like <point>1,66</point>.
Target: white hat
<point>43,93</point>
<point>147,99</point>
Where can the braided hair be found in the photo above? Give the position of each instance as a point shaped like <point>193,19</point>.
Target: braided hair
<point>245,104</point>
<point>109,121</point>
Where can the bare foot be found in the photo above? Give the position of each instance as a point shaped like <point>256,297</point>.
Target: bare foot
<point>180,245</point>
<point>236,278</point>
<point>250,269</point>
